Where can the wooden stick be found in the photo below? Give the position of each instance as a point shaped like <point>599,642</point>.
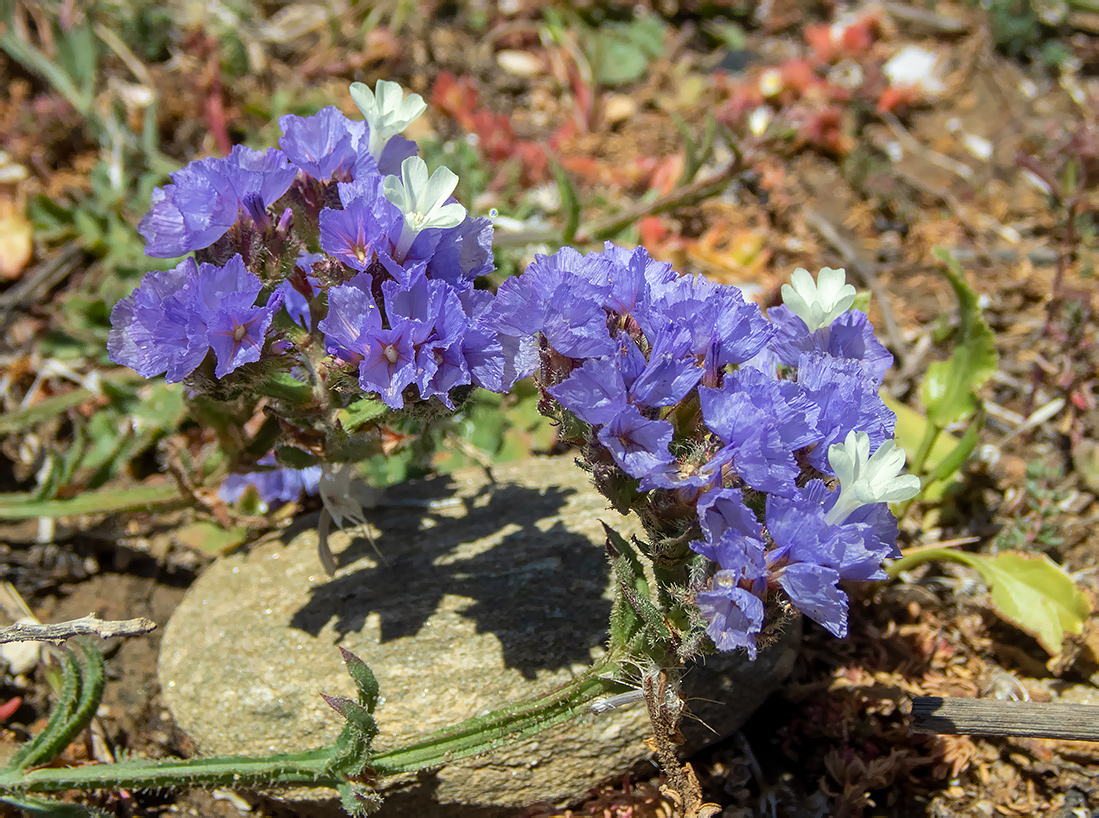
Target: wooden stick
<point>992,717</point>
<point>85,625</point>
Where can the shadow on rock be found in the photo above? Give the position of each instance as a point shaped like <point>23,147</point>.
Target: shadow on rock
<point>538,588</point>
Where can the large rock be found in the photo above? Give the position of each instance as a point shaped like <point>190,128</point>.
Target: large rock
<point>477,595</point>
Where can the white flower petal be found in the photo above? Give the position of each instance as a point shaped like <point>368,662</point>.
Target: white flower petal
<point>818,303</point>
<point>438,189</point>
<point>866,480</point>
<point>387,111</point>
<point>394,190</point>
<point>450,215</point>
<point>414,176</point>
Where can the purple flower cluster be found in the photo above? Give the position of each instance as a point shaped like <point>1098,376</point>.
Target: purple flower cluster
<point>719,421</point>
<point>177,316</point>
<point>379,268</point>
<point>430,335</point>
<point>274,486</point>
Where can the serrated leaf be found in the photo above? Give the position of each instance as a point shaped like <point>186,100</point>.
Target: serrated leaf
<point>949,390</point>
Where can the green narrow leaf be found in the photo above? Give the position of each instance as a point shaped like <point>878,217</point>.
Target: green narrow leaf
<point>709,134</point>
<point>953,462</point>
<point>36,62</point>
<point>90,695</point>
<point>295,458</point>
<point>364,680</point>
<point>22,507</point>
<point>358,719</point>
<point>265,438</point>
<point>48,808</point>
<point>630,574</point>
<point>23,419</point>
<point>34,752</point>
<point>692,161</point>
<point>949,388</point>
<point>570,203</point>
<point>648,612</point>
<point>358,799</point>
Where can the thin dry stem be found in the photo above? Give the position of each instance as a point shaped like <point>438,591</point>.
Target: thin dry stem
<point>89,625</point>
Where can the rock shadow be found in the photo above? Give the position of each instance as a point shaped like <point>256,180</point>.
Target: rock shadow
<point>539,590</point>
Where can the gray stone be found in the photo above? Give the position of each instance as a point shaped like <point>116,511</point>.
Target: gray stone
<point>484,594</point>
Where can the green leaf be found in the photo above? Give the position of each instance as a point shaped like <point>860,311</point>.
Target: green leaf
<point>22,419</point>
<point>570,203</point>
<point>210,538</point>
<point>364,679</point>
<point>295,458</point>
<point>36,750</point>
<point>49,808</point>
<point>358,799</point>
<point>949,389</point>
<point>942,461</point>
<point>622,53</point>
<point>1028,590</point>
<point>630,574</point>
<point>283,386</point>
<point>358,719</point>
<point>23,506</point>
<point>1037,595</point>
<point>80,696</point>
<point>952,463</point>
<point>361,412</point>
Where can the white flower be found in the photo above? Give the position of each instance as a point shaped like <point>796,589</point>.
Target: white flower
<point>770,83</point>
<point>759,119</point>
<point>818,303</point>
<point>916,67</point>
<point>387,111</point>
<point>865,480</point>
<point>423,201</point>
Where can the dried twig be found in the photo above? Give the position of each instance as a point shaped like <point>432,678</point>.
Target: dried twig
<point>990,717</point>
<point>914,17</point>
<point>89,625</point>
<point>665,710</point>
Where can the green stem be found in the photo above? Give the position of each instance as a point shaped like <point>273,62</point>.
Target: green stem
<point>918,465</point>
<point>931,434</point>
<point>310,769</point>
<point>910,561</point>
